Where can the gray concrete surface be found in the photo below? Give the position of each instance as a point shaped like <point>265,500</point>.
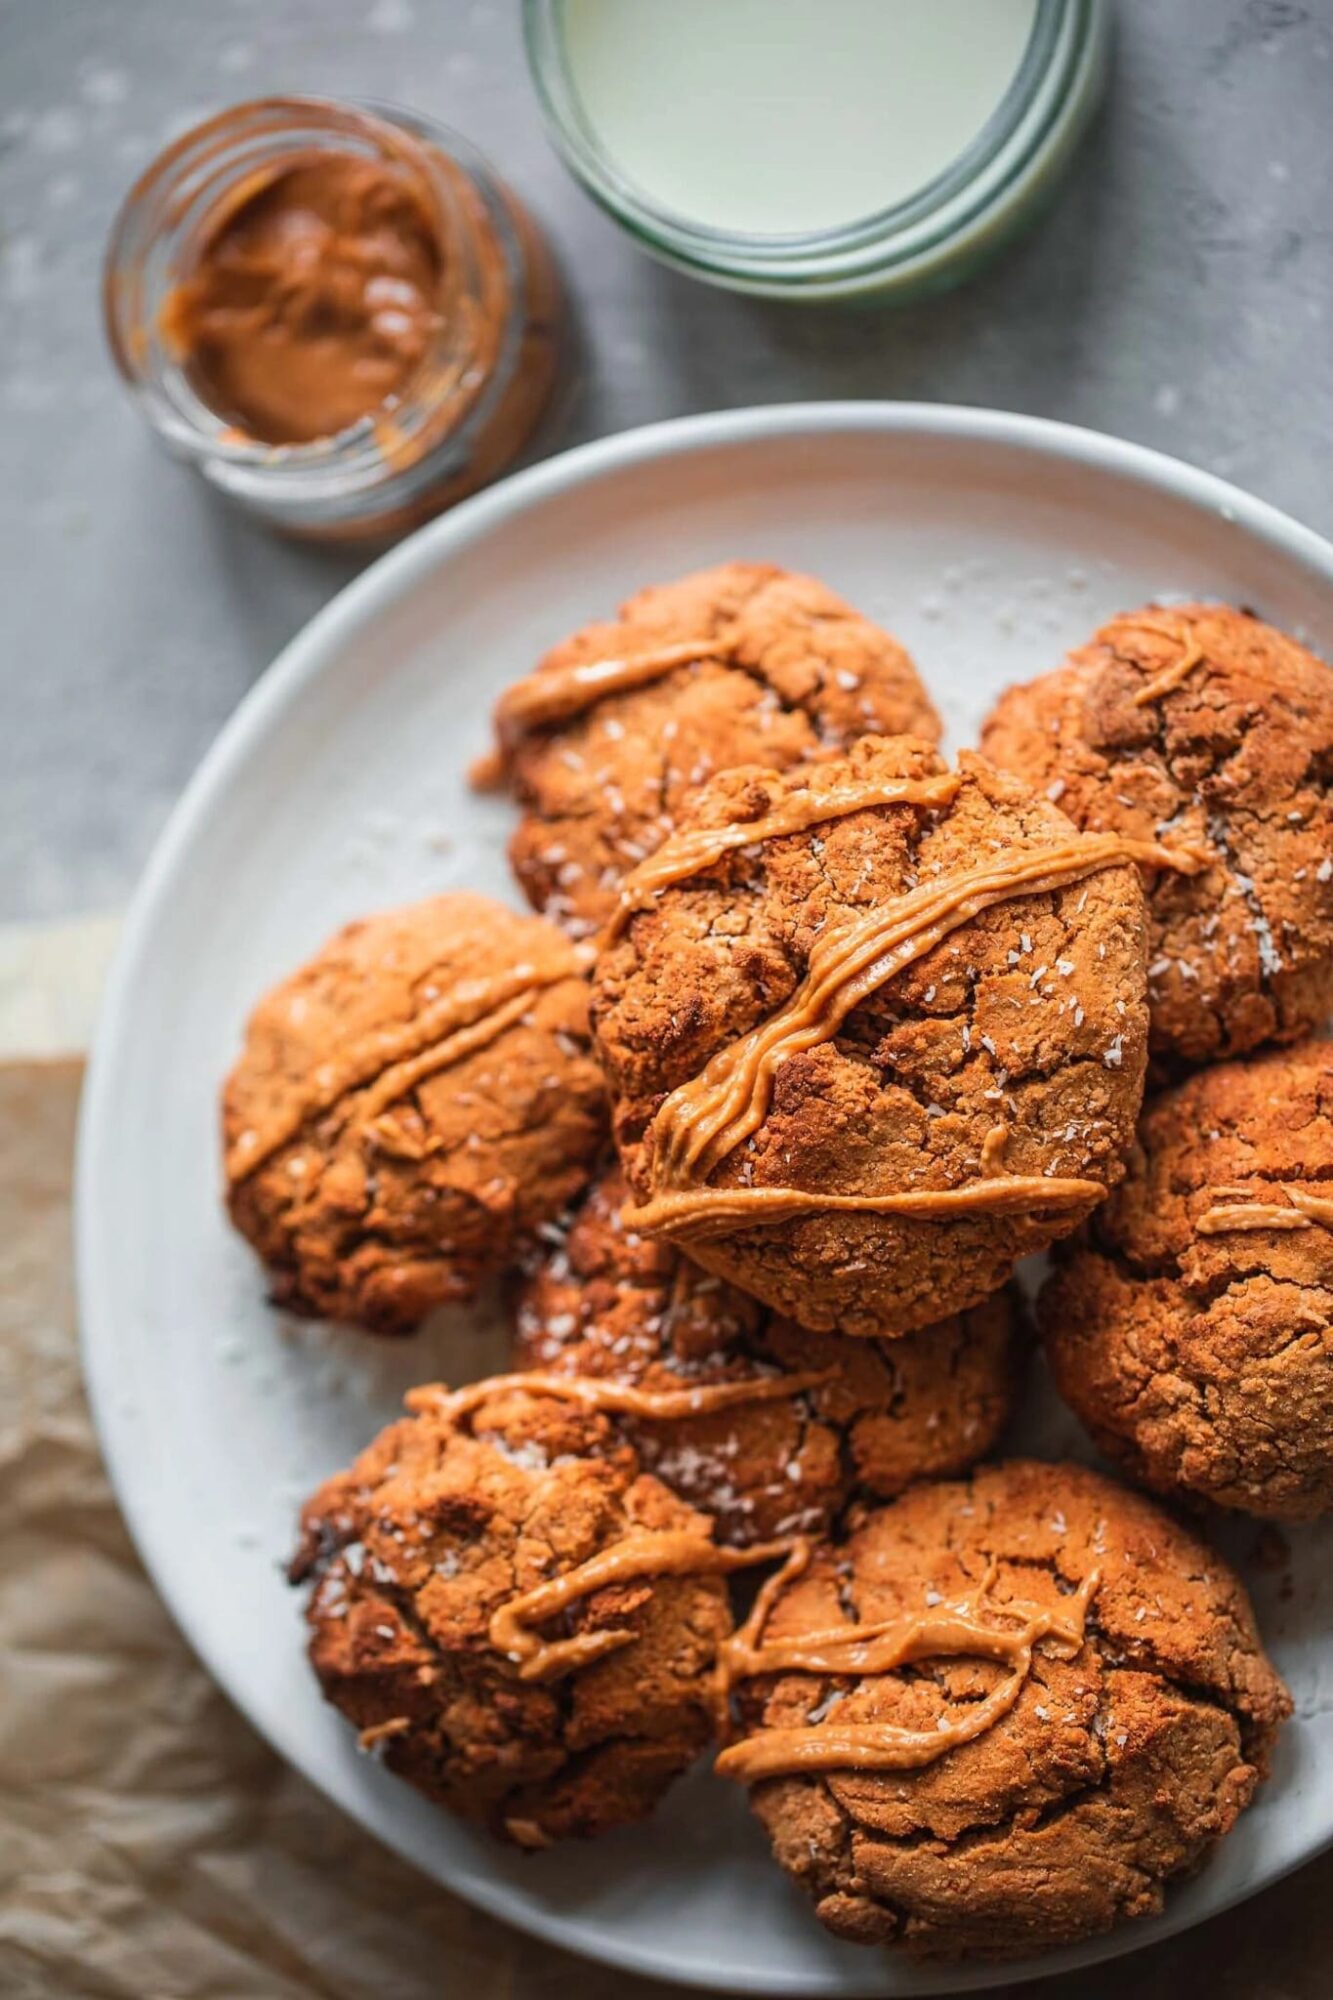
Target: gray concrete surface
<point>1180,294</point>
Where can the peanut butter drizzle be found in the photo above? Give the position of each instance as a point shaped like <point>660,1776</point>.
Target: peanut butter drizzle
<point>706,1211</point>
<point>956,1632</point>
<point>702,1211</point>
<point>556,694</point>
<point>1169,678</point>
<point>394,1060</point>
<point>1317,1208</point>
<point>706,1119</point>
<point>697,848</point>
<point>642,1553</point>
<point>648,1552</point>
<point>621,1399</point>
<point>1302,1210</point>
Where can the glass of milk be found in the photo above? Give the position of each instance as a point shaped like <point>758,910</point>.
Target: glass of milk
<point>819,149</point>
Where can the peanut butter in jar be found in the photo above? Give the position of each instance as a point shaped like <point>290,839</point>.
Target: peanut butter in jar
<point>342,318</point>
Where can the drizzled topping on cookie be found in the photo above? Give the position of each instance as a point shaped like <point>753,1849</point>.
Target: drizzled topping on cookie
<point>1237,1209</point>
<point>557,694</point>
<point>391,1061</point>
<point>975,1627</point>
<point>1177,671</point>
<point>696,848</point>
<point>703,1121</point>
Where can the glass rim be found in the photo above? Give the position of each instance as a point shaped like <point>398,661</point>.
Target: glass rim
<point>381,445</point>
<point>1062,51</point>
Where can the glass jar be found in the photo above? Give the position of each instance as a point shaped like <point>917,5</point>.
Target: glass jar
<point>933,239</point>
<point>471,402</point>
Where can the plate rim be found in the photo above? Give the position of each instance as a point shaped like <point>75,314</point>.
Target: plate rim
<point>299,662</point>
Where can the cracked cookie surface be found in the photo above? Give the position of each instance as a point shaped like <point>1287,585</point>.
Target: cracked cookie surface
<point>1118,1767</point>
<point>409,1106</point>
<point>802,677</point>
<point>611,1303</point>
<point>434,1529</point>
<point>1201,1358</point>
<point>1016,1046</point>
<point>1200,725</point>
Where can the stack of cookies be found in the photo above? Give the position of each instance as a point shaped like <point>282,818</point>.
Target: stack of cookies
<point>813,1038</point>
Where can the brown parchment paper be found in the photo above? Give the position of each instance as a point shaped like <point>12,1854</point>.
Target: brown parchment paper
<point>152,1848</point>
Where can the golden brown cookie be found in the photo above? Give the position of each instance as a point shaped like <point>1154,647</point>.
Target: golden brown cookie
<point>860,1068</point>
<point>1193,1330</point>
<point>409,1106</point>
<point>611,1304</point>
<point>433,1558</point>
<point>765,666</point>
<point>1201,726</point>
<point>1027,1796</point>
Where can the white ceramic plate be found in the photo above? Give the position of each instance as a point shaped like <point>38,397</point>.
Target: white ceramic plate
<point>988,543</point>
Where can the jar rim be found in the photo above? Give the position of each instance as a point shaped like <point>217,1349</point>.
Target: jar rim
<point>1032,128</point>
<point>363,453</point>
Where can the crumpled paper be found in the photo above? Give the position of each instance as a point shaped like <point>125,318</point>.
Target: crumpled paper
<point>152,1848</point>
